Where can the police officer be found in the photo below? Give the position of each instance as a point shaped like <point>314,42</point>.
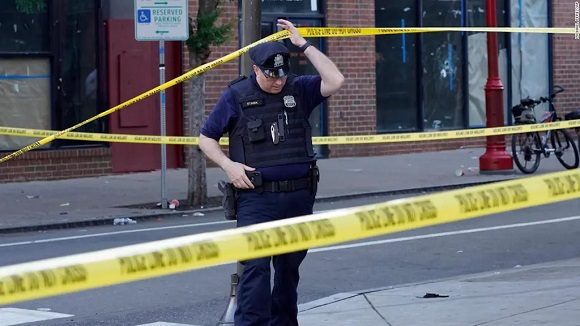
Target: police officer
<point>271,163</point>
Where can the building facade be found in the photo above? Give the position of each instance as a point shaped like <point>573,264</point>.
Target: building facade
<point>64,61</point>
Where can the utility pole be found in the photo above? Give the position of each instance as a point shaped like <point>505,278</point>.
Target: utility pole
<point>251,32</point>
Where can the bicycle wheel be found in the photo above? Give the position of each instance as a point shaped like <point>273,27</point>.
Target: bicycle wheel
<point>526,151</point>
<point>565,149</point>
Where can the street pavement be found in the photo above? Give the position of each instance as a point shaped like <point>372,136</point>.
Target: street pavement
<point>531,295</point>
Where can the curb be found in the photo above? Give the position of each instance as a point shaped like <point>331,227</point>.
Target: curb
<point>109,219</point>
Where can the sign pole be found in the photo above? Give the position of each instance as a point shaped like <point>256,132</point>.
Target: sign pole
<point>162,21</point>
<point>163,124</point>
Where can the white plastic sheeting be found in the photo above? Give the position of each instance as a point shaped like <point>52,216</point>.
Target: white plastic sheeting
<point>530,75</point>
<point>24,98</point>
<point>528,79</point>
<point>477,72</point>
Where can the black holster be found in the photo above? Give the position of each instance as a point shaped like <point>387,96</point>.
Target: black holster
<point>229,199</point>
<point>314,178</point>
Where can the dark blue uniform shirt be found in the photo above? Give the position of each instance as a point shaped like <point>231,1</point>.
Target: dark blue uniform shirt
<point>224,116</point>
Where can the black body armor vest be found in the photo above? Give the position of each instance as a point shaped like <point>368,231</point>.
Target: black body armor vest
<point>271,129</point>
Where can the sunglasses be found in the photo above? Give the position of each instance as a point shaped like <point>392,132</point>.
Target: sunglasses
<point>274,73</point>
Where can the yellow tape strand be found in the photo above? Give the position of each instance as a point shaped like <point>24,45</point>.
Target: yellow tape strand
<point>68,274</point>
<point>322,140</point>
<point>368,31</point>
<point>197,71</point>
<point>307,32</point>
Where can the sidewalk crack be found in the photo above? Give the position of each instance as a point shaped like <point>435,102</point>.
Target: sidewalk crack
<point>375,309</point>
<point>329,303</point>
<point>525,312</point>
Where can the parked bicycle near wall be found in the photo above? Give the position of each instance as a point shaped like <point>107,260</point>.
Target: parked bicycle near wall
<point>528,148</point>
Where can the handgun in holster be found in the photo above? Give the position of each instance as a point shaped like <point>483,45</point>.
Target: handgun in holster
<point>314,178</point>
<point>229,199</point>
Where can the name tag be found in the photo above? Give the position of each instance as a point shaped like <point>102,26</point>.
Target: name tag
<point>252,103</point>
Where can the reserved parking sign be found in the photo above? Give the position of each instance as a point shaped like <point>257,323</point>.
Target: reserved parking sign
<point>161,20</point>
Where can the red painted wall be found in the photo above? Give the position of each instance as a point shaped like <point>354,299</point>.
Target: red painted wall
<point>133,68</point>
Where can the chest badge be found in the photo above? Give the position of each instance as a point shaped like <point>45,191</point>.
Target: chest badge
<point>289,101</point>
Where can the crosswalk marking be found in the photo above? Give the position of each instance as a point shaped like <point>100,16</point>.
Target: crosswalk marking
<point>16,316</point>
<point>161,323</point>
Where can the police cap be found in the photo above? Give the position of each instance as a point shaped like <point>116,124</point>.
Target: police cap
<point>273,58</point>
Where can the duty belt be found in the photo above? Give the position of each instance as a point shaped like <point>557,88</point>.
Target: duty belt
<point>285,185</point>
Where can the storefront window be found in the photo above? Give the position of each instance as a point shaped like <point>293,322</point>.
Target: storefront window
<point>23,26</point>
<point>453,66</point>
<point>442,57</point>
<point>396,67</point>
<point>48,76</point>
<point>429,97</point>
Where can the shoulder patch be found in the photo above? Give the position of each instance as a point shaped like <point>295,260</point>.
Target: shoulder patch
<point>237,80</point>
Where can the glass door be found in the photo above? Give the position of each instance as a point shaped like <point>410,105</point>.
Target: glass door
<point>76,66</point>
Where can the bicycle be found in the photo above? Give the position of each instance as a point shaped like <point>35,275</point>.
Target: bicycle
<point>528,148</point>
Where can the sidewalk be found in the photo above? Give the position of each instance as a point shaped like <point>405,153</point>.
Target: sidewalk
<point>543,294</point>
<point>99,200</point>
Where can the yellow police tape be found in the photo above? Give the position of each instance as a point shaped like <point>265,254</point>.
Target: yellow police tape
<point>321,140</point>
<point>48,277</point>
<point>197,71</point>
<point>367,31</point>
<point>307,32</point>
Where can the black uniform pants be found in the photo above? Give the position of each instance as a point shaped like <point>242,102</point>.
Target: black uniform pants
<point>258,303</point>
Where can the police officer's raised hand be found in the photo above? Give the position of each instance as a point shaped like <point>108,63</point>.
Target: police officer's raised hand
<point>332,79</point>
<point>295,36</point>
<point>237,174</point>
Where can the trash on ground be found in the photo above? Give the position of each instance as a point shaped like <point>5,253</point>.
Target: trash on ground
<point>198,214</point>
<point>173,204</point>
<point>466,171</point>
<point>123,221</point>
<point>429,295</point>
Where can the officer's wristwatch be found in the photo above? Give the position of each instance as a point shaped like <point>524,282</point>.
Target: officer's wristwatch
<point>304,46</point>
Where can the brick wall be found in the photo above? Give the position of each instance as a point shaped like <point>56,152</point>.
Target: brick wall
<point>353,110</point>
<point>219,78</point>
<point>57,164</point>
<point>566,56</point>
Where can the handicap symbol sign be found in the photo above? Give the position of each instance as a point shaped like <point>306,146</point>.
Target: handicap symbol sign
<point>144,16</point>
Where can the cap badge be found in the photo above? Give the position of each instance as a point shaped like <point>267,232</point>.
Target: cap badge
<point>278,61</point>
<point>289,101</point>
